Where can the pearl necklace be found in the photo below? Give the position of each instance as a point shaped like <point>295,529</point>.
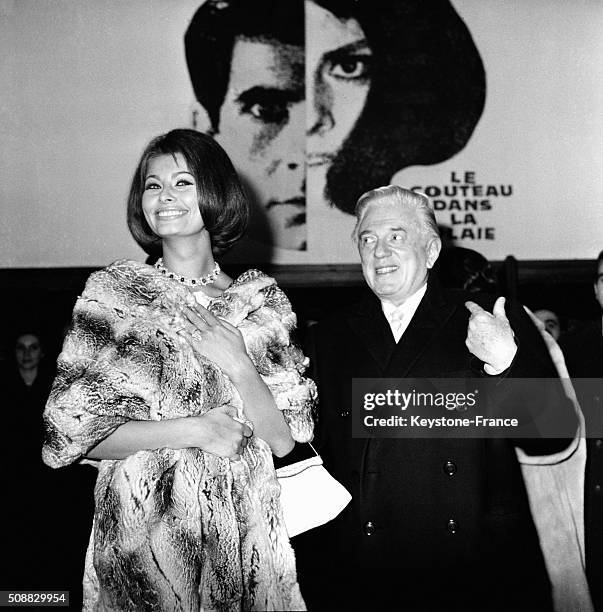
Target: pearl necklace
<point>208,279</point>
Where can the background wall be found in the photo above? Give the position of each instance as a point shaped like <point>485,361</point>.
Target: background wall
<point>87,83</point>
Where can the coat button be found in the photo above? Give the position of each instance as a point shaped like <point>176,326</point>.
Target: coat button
<point>598,489</point>
<point>344,413</point>
<point>450,468</point>
<point>452,526</point>
<point>369,528</point>
<point>599,443</point>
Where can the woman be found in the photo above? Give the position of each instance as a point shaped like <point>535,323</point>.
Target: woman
<point>25,384</point>
<point>165,375</point>
<point>422,83</point>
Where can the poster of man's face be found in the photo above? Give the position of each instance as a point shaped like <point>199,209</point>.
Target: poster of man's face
<point>323,99</point>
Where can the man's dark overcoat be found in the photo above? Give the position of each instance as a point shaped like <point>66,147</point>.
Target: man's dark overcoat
<point>434,523</point>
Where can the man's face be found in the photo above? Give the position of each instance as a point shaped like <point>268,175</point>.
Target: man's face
<point>550,321</point>
<point>262,128</point>
<point>395,254</point>
<point>599,285</point>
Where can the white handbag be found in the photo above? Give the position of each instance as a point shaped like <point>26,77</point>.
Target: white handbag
<point>310,496</point>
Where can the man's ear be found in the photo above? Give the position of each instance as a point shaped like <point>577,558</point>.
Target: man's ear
<point>199,119</point>
<point>434,246</point>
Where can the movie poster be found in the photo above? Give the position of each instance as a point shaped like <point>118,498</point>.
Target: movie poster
<point>492,108</point>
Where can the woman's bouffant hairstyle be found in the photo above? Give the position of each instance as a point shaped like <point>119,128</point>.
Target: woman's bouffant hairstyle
<point>222,200</point>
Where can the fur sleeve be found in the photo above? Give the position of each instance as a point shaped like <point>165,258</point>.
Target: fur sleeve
<point>98,384</point>
<point>282,364</point>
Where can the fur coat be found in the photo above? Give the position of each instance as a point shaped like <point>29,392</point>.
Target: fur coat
<point>177,529</point>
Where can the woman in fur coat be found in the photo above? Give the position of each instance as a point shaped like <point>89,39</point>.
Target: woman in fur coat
<point>179,383</point>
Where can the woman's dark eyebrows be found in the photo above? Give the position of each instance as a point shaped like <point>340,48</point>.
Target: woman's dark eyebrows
<point>177,173</point>
<point>271,95</point>
<point>348,49</point>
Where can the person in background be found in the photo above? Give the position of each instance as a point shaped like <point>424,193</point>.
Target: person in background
<point>554,483</point>
<point>30,379</point>
<point>550,321</point>
<point>462,268</point>
<point>583,351</point>
<point>433,523</point>
<point>45,516</point>
<point>180,383</point>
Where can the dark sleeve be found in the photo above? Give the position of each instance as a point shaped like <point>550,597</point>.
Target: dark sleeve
<point>550,404</point>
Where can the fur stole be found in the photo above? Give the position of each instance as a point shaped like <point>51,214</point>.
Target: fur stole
<point>177,529</point>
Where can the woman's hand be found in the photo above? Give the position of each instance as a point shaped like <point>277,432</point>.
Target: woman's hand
<point>217,340</point>
<point>219,433</point>
<point>223,344</point>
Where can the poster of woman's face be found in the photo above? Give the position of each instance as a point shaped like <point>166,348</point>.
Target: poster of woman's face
<point>478,104</point>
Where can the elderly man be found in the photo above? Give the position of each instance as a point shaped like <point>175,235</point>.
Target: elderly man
<point>434,523</point>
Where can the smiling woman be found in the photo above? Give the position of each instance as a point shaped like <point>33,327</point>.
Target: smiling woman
<point>179,379</point>
<point>170,202</point>
<point>208,179</point>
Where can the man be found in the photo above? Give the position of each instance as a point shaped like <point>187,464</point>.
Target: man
<point>433,523</point>
<point>550,321</point>
<point>583,351</point>
<point>246,63</point>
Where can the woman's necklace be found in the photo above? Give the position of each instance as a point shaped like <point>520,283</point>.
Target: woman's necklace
<point>208,279</point>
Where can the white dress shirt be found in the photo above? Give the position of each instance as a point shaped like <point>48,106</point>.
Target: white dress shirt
<point>399,317</point>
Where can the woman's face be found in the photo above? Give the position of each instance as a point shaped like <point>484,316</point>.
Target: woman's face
<point>28,352</point>
<point>170,201</point>
<point>338,79</point>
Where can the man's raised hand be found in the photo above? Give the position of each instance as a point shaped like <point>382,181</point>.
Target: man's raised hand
<point>490,337</point>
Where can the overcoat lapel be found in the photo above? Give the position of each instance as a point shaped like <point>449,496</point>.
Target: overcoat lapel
<point>370,325</point>
<point>395,360</point>
<point>429,318</point>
